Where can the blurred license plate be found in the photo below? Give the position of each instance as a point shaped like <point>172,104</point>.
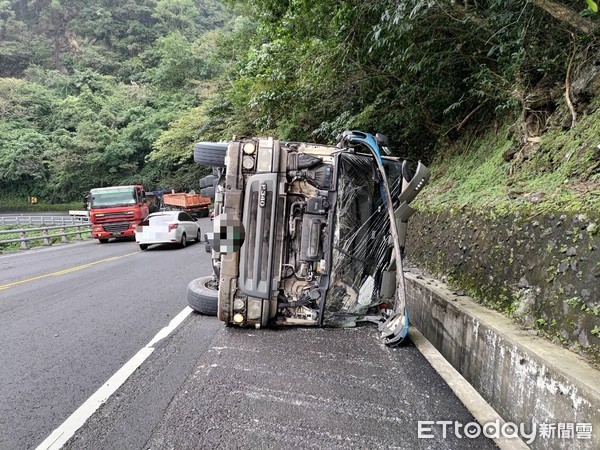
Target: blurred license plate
<point>117,233</point>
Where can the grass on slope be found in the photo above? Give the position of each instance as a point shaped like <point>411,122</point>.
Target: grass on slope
<point>559,172</point>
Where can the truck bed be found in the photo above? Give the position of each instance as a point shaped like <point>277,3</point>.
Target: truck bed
<point>184,200</point>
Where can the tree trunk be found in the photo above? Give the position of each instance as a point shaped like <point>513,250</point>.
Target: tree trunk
<point>567,15</point>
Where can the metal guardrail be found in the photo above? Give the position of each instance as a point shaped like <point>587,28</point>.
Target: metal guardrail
<point>43,220</point>
<point>46,235</point>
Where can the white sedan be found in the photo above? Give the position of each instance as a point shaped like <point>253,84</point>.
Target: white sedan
<point>168,227</point>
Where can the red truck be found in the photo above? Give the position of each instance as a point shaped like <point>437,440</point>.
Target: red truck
<point>116,211</point>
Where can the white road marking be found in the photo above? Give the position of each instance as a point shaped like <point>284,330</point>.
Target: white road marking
<point>76,420</point>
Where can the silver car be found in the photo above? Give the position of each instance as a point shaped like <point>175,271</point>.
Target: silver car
<point>168,227</point>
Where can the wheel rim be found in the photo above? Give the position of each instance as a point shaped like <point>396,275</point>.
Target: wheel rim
<point>210,286</point>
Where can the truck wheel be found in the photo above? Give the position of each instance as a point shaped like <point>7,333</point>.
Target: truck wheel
<point>183,241</point>
<point>202,296</point>
<point>208,192</point>
<point>207,181</point>
<point>210,153</point>
<point>103,241</point>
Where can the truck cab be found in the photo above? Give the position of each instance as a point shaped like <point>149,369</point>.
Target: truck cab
<point>313,230</point>
<point>116,211</point>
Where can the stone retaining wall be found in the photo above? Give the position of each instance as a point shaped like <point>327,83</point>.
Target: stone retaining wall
<point>541,270</point>
<point>527,379</point>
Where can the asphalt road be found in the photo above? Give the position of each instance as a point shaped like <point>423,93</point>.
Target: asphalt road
<point>72,315</point>
<point>208,386</point>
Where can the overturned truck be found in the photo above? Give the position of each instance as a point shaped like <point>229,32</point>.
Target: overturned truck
<point>302,233</point>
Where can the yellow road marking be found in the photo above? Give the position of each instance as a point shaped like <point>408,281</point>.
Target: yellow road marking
<point>65,271</point>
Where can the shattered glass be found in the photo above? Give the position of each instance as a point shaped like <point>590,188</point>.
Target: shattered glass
<point>362,248</point>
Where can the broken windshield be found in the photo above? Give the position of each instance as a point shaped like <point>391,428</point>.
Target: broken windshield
<point>361,247</point>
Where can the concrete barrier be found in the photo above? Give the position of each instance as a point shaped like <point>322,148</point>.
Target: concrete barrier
<point>526,379</point>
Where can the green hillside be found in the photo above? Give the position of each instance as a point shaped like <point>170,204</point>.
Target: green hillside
<point>498,96</point>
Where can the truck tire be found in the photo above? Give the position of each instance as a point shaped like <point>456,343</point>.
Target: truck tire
<point>208,192</point>
<point>202,296</point>
<point>103,241</point>
<point>207,181</point>
<point>210,153</point>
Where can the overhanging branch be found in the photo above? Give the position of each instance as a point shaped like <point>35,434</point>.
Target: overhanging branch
<point>568,15</point>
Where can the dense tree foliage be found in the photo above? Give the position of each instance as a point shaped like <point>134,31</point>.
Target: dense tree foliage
<point>418,70</point>
<point>99,92</point>
<point>89,86</point>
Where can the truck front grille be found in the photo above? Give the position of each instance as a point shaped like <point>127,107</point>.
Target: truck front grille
<point>110,217</point>
<point>116,227</point>
<point>256,255</point>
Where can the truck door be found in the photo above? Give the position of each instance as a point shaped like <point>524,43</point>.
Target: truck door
<point>141,198</point>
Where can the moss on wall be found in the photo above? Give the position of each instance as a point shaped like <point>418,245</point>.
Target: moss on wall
<point>519,229</point>
<point>542,271</point>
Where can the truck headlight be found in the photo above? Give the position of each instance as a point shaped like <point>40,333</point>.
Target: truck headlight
<point>238,318</point>
<point>248,162</point>
<point>249,148</point>
<point>265,155</point>
<point>239,304</point>
<point>254,308</point>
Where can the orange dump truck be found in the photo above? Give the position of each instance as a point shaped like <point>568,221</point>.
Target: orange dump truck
<point>194,204</point>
